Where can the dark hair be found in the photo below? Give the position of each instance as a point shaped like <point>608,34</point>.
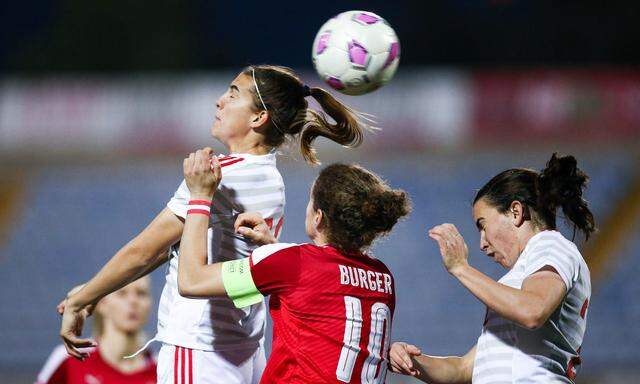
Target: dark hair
<point>284,95</point>
<point>357,205</point>
<point>559,185</point>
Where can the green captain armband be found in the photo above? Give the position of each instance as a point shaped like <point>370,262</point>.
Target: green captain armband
<point>237,281</point>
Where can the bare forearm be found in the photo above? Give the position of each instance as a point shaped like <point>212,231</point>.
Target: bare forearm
<point>140,256</point>
<point>193,252</point>
<point>124,267</point>
<point>159,260</point>
<point>442,370</point>
<point>197,278</point>
<point>514,304</point>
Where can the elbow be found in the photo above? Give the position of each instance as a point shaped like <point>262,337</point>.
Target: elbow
<point>189,288</point>
<point>186,291</point>
<point>186,288</point>
<point>533,319</point>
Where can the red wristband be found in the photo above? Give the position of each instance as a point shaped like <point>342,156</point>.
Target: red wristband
<point>199,206</point>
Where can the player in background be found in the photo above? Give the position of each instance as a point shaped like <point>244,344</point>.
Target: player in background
<point>332,305</point>
<point>262,108</point>
<point>536,313</point>
<point>118,323</point>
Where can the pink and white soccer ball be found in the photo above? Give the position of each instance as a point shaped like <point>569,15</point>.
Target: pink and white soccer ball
<point>356,52</point>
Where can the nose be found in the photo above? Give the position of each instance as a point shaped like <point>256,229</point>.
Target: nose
<point>132,300</point>
<point>219,102</point>
<point>484,244</point>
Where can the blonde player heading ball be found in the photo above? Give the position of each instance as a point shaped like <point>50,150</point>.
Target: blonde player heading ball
<point>536,313</point>
<point>211,341</point>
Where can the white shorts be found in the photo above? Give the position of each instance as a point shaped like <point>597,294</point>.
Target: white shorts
<point>179,365</point>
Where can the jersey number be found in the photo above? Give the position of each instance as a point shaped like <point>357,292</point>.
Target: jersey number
<point>377,347</point>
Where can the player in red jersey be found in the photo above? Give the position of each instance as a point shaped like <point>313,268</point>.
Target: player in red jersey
<point>332,305</point>
<point>118,322</point>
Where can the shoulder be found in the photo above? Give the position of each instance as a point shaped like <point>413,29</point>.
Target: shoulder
<point>55,362</point>
<point>550,248</point>
<point>552,243</point>
<point>246,164</point>
<point>382,266</point>
<point>279,249</point>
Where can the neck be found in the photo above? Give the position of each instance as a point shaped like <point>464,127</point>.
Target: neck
<point>115,344</point>
<point>524,235</point>
<point>320,239</point>
<point>252,148</point>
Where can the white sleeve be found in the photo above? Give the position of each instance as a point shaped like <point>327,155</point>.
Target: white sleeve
<point>180,200</point>
<point>555,254</point>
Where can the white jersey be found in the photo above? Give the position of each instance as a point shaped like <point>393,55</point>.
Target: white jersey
<point>249,183</point>
<point>508,353</point>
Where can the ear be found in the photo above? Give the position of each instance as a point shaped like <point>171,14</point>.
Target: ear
<point>318,217</point>
<point>517,213</point>
<point>259,119</point>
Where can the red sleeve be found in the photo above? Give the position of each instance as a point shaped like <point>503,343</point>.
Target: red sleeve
<point>55,369</point>
<point>275,268</point>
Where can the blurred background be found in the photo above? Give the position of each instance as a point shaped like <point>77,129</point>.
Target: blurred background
<point>100,100</point>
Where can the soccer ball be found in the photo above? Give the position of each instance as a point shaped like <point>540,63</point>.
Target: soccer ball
<point>356,52</point>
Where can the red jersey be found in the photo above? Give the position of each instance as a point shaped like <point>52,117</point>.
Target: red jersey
<point>61,368</point>
<point>331,312</point>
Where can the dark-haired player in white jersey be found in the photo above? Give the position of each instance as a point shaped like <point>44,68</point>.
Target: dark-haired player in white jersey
<point>537,313</point>
<point>211,341</point>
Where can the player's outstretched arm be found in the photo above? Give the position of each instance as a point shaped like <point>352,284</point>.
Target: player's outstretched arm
<point>530,307</point>
<point>407,359</point>
<point>145,251</point>
<point>162,258</point>
<point>196,278</point>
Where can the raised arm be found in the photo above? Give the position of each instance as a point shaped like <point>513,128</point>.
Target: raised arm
<point>530,306</point>
<point>408,360</point>
<point>138,257</point>
<point>196,278</point>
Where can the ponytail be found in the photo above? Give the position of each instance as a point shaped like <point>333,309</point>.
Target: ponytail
<point>347,130</point>
<point>560,185</point>
<point>283,94</point>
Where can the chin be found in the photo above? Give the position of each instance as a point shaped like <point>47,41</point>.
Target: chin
<point>503,263</point>
<point>132,329</point>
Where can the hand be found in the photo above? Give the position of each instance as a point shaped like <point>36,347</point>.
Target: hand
<point>252,226</point>
<point>72,322</point>
<point>60,307</point>
<point>400,358</point>
<point>202,173</point>
<point>453,248</point>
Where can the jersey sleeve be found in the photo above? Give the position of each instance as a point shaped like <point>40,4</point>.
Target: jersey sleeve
<point>54,370</point>
<point>551,252</point>
<point>271,269</point>
<point>180,200</point>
